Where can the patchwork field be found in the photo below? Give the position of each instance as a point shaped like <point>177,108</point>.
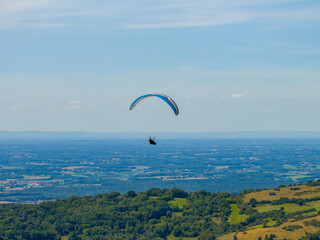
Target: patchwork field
<point>288,220</point>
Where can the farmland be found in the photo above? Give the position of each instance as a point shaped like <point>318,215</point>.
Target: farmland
<point>48,169</point>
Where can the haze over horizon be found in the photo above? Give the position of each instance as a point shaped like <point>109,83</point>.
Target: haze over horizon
<point>229,65</point>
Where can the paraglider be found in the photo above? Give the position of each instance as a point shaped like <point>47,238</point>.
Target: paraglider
<point>165,98</point>
<point>151,141</point>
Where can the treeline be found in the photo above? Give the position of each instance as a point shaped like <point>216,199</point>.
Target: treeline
<point>146,215</point>
<point>154,214</point>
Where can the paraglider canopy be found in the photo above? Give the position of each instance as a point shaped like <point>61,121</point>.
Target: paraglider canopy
<point>165,98</point>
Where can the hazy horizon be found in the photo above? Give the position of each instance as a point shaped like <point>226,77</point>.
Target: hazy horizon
<point>159,135</point>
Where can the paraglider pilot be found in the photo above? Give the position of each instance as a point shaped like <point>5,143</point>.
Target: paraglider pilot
<point>151,141</point>
<point>164,97</point>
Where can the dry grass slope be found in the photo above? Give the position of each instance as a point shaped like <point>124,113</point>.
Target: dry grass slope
<point>279,232</point>
<point>304,192</point>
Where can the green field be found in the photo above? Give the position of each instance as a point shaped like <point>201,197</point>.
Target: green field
<point>315,204</point>
<point>179,202</point>
<point>270,223</point>
<point>235,217</point>
<point>75,174</point>
<point>295,177</point>
<point>288,207</point>
<point>310,214</point>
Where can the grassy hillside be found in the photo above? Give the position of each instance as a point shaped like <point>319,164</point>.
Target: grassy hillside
<point>301,191</point>
<point>291,212</point>
<point>281,231</point>
<point>284,212</point>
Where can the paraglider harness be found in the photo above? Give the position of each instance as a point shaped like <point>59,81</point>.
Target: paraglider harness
<point>151,141</point>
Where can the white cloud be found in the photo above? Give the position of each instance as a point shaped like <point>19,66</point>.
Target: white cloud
<point>19,106</point>
<point>147,14</point>
<point>77,104</point>
<point>237,95</point>
<point>12,6</point>
<point>74,104</point>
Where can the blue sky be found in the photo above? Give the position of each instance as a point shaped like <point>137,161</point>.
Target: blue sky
<point>230,65</point>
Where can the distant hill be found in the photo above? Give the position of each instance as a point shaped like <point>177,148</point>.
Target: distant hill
<point>162,135</point>
<point>285,212</point>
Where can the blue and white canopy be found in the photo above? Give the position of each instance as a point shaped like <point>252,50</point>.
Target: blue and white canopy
<point>165,98</point>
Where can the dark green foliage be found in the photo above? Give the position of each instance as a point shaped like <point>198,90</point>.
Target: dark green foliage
<point>313,222</point>
<point>178,193</point>
<point>313,183</point>
<point>253,202</point>
<point>146,215</point>
<point>291,227</point>
<point>311,236</point>
<point>271,237</point>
